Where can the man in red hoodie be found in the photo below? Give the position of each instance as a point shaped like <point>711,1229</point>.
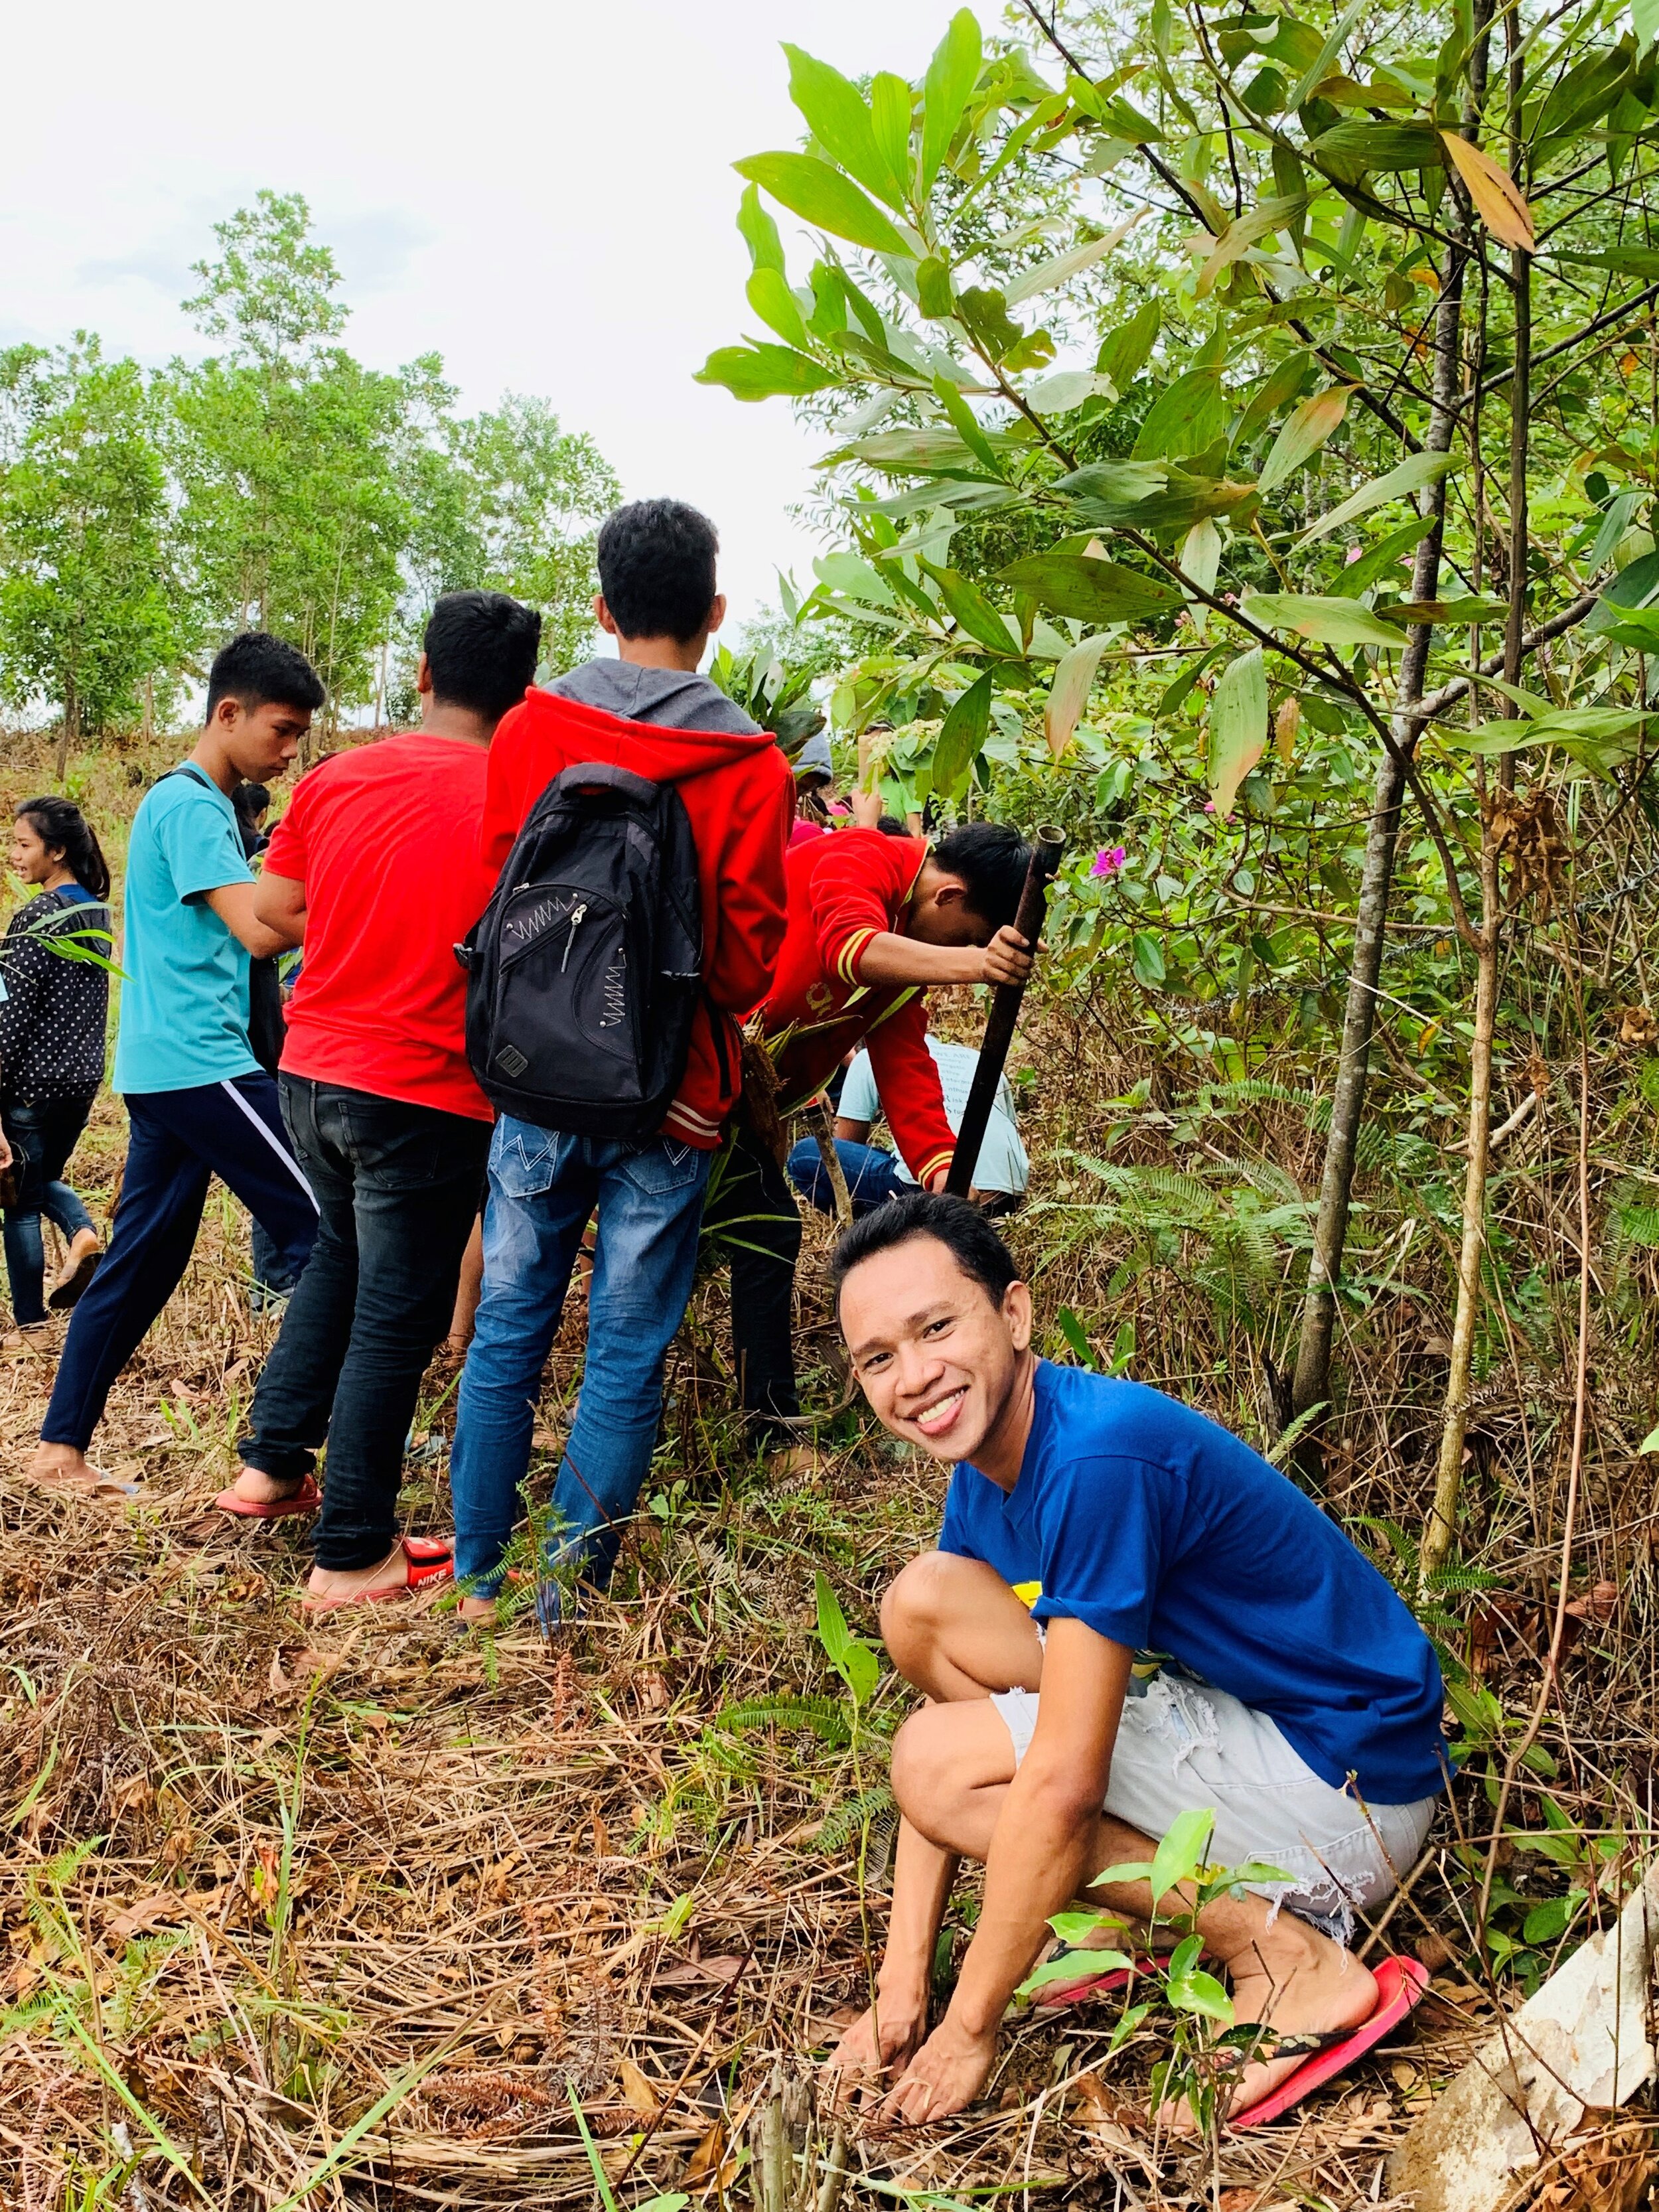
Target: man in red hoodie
<point>873,920</point>
<point>649,711</point>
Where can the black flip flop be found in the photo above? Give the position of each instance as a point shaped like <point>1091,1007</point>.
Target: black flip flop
<point>69,1293</point>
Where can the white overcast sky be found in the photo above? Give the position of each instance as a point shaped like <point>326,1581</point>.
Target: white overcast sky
<point>541,191</point>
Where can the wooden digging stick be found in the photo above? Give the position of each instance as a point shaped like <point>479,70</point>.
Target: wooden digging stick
<point>818,1122</point>
<point>1005,1012</point>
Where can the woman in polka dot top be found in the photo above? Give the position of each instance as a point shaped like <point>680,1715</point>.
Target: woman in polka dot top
<point>54,1006</point>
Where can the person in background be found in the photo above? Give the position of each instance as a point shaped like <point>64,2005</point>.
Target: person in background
<point>198,1103</point>
<point>54,1008</point>
<point>272,1278</point>
<point>375,868</point>
<point>1001,1174</point>
<point>874,920</point>
<point>651,712</point>
<point>253,804</point>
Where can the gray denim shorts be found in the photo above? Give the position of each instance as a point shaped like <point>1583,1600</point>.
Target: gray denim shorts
<point>1182,1744</point>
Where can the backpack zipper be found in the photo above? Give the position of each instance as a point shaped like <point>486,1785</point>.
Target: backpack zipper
<point>577,914</point>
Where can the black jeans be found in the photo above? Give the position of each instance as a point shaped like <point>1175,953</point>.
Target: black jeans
<point>397,1188</point>
<point>751,1213</point>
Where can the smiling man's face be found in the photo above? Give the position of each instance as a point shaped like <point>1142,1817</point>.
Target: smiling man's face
<point>937,1355</point>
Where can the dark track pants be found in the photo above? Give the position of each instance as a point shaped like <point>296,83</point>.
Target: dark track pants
<point>751,1213</point>
<point>180,1139</point>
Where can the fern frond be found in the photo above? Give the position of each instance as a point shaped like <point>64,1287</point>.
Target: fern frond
<point>821,1716</point>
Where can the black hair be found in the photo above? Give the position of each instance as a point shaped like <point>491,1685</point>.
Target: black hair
<point>992,860</point>
<point>251,799</point>
<point>956,1222</point>
<point>257,670</point>
<point>480,647</point>
<point>656,562</point>
<point>57,822</point>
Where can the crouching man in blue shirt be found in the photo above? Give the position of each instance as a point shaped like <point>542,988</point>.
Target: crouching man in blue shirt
<point>1087,1520</point>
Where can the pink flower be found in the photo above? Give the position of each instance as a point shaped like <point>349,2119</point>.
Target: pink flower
<point>1109,860</point>
<point>1351,556</point>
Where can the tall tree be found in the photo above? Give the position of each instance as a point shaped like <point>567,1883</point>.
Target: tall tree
<point>286,452</point>
<point>84,607</point>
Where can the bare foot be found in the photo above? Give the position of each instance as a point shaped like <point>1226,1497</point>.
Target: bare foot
<point>77,1272</point>
<point>32,1336</point>
<point>1294,1980</point>
<point>475,1612</point>
<point>66,1468</point>
<point>795,1463</point>
<point>255,1487</point>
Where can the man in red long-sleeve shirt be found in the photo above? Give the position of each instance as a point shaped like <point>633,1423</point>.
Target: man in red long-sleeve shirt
<point>873,922</point>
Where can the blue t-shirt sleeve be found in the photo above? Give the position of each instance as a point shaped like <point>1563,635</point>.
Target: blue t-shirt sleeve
<point>953,1534</point>
<point>200,845</point>
<point>859,1102</point>
<point>1104,1540</point>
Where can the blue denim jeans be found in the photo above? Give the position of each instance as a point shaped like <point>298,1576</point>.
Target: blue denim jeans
<point>873,1175</point>
<point>544,1185</point>
<point>42,1133</point>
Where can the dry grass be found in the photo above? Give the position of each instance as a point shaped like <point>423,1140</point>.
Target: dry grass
<point>265,1880</point>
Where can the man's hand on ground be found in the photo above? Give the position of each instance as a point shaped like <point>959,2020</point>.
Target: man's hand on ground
<point>1005,959</point>
<point>858,2062</point>
<point>946,2075</point>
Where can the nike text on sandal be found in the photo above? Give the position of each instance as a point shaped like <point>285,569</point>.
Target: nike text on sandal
<point>425,1561</point>
<point>1400,1985</point>
<point>305,1499</point>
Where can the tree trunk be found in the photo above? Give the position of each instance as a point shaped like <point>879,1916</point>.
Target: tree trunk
<point>69,730</point>
<point>1311,1384</point>
<point>1442,1524</point>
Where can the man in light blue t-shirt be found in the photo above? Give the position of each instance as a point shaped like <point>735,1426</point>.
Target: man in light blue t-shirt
<point>1295,1700</point>
<point>198,1103</point>
<point>874,1176</point>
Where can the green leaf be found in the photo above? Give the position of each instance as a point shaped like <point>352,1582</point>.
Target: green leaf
<point>1186,417</point>
<point>1088,589</point>
<point>777,306</point>
<point>1303,435</point>
<point>1410,475</point>
<point>1201,1993</point>
<point>1081,1928</point>
<point>760,233</point>
<point>1131,1869</point>
<point>1277,390</point>
<point>1548,1921</point>
<point>1068,694</point>
<point>1083,1351</point>
<point>1333,622</point>
<point>890,125</point>
<point>1627,260</point>
<point>1146,960</point>
<point>933,293</point>
<point>962,736</point>
<point>832,1621</point>
<point>812,189</point>
<point>1327,53</point>
<point>1236,238</point>
<point>1180,1855</point>
<point>861,1670</point>
<point>1445,614</point>
<point>1045,275</point>
<point>951,76</point>
<point>1238,737</point>
<point>965,423</point>
<point>971,610</point>
<point>839,120</point>
<point>1125,352</point>
<point>765,372</point>
<point>1385,556</point>
<point>1349,148</point>
<point>983,313</point>
<point>1071,1967</point>
<point>1650,1442</point>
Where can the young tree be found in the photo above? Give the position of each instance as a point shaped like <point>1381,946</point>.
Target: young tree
<point>84,606</point>
<point>1350,284</point>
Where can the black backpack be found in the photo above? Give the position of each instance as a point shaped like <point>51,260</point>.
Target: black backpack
<point>584,972</point>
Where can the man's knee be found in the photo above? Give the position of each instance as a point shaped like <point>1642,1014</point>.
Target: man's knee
<point>921,1771</point>
<point>918,1607</point>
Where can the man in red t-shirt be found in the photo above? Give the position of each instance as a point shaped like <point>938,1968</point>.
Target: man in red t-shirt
<point>375,869</point>
<point>873,920</point>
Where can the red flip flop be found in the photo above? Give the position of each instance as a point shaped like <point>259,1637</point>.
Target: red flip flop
<point>1056,1994</point>
<point>305,1499</point>
<point>425,1560</point>
<point>1400,1986</point>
